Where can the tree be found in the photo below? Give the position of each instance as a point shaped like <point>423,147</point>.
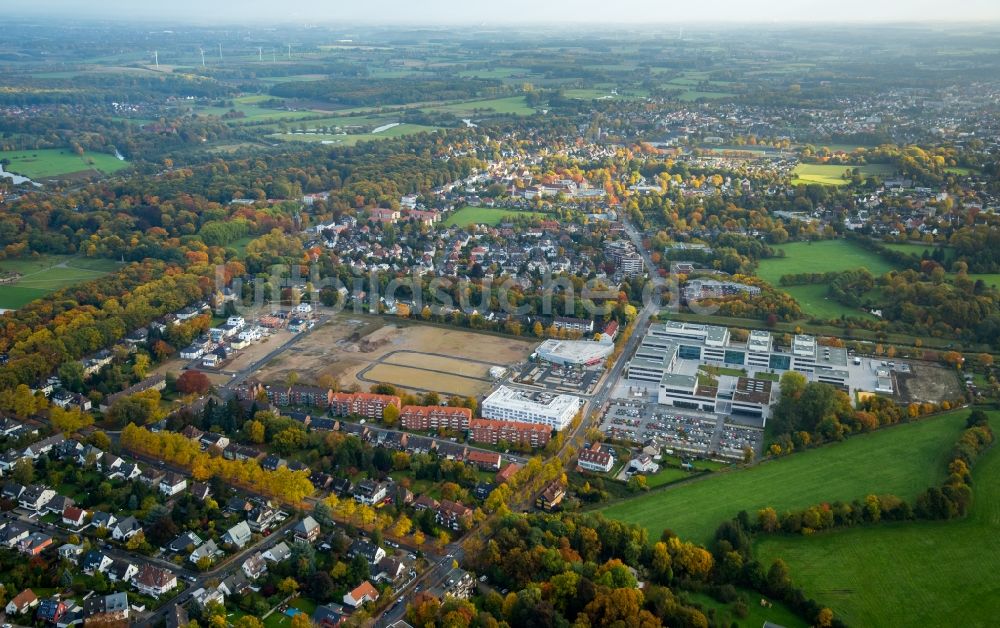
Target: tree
<point>193,382</point>
<point>141,365</point>
<point>390,414</point>
<point>135,541</point>
<point>288,586</point>
<point>301,620</point>
<point>69,421</point>
<point>255,431</point>
<point>23,403</point>
<point>24,471</point>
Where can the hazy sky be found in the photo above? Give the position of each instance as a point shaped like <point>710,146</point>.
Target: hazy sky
<point>541,12</point>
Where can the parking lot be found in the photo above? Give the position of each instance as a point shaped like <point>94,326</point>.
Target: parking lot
<point>699,434</point>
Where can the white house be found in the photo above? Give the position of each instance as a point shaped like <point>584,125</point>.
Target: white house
<point>238,535</point>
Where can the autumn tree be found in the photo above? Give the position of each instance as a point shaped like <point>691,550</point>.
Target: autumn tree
<point>193,382</point>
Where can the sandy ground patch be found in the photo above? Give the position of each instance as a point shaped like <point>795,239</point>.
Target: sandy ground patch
<point>419,380</point>
<point>340,349</point>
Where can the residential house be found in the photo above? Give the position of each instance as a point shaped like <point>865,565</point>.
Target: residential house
<point>101,519</point>
<point>122,570</point>
<point>201,491</point>
<point>551,496</point>
<point>364,592</point>
<point>11,534</point>
<point>424,418</point>
<point>203,597</point>
<point>362,547</point>
<point>261,517</point>
<point>70,551</point>
<point>172,484</point>
<point>154,581</point>
<point>185,541</point>
<point>207,550</point>
<point>22,602</point>
<point>255,566</point>
<point>485,460</point>
<point>307,530</point>
<point>451,514</point>
<point>126,528</point>
<point>95,561</point>
<point>238,535</point>
<point>51,611</point>
<point>107,610</point>
<point>35,497</point>
<point>74,517</point>
<point>596,459</point>
<point>328,616</point>
<point>278,553</point>
<point>58,504</point>
<point>369,492</point>
<point>235,584</point>
<point>34,544</point>
<point>507,472</point>
<point>389,569</point>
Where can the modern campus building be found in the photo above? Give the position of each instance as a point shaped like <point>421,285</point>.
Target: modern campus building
<point>665,357</point>
<point>508,404</point>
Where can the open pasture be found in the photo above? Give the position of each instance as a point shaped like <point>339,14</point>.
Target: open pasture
<point>829,174</point>
<point>485,216</point>
<point>45,163</point>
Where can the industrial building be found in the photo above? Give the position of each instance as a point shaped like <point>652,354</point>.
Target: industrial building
<point>574,352</point>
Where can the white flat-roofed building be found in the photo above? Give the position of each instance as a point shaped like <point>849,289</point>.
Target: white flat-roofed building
<point>508,404</point>
<point>565,352</point>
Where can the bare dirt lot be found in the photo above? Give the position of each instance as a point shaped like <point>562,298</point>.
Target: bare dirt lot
<point>359,350</point>
<point>928,382</point>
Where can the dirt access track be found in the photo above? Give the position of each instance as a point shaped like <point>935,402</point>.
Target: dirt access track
<point>359,351</point>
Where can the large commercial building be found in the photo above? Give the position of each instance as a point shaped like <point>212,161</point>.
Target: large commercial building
<point>508,404</point>
<point>575,352</point>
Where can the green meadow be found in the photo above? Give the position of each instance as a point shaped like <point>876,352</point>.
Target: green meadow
<point>45,163</point>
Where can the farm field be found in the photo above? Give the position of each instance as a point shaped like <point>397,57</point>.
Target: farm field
<point>693,95</point>
<point>512,105</point>
<point>350,140</point>
<point>902,460</point>
<point>47,274</point>
<point>54,162</point>
<point>915,573</point>
<point>485,216</point>
<point>992,279</point>
<point>827,174</point>
<point>820,257</point>
<point>816,303</point>
<point>916,248</point>
<point>359,350</point>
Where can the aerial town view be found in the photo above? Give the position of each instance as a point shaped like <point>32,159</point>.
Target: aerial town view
<point>447,314</point>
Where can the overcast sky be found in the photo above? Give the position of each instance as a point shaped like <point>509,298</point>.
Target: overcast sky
<point>541,12</point>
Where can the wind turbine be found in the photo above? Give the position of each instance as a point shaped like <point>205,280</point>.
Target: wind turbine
<point>156,59</point>
<point>220,51</point>
<point>260,54</point>
<point>289,51</point>
<point>202,51</point>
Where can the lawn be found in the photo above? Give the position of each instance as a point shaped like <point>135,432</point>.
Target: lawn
<point>666,476</point>
<point>918,249</point>
<point>822,256</point>
<point>48,273</point>
<point>815,302</point>
<point>485,216</point>
<point>907,574</point>
<point>901,460</point>
<point>827,174</point>
<point>756,614</point>
<point>55,162</point>
<point>277,619</point>
<point>992,279</point>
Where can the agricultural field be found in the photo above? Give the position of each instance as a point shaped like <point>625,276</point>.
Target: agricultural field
<point>827,174</point>
<point>350,140</point>
<point>48,273</point>
<point>821,257</point>
<point>940,573</point>
<point>902,460</point>
<point>56,162</point>
<point>485,216</point>
<point>992,279</point>
<point>777,614</point>
<point>693,95</point>
<point>361,350</point>
<point>510,105</point>
<point>917,248</point>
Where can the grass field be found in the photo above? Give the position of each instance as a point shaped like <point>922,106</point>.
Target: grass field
<point>350,140</point>
<point>46,274</point>
<point>901,460</point>
<point>693,95</point>
<point>815,302</point>
<point>55,162</point>
<point>820,257</point>
<point>756,615</point>
<point>485,216</point>
<point>915,248</point>
<point>512,105</point>
<point>832,174</point>
<point>907,574</point>
<point>992,279</point>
